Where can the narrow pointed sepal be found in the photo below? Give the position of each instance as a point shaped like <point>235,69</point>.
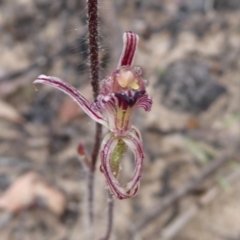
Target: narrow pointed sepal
<point>75,95</point>
<point>130,42</point>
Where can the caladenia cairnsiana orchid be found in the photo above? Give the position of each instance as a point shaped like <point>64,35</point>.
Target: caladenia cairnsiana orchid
<point>121,92</point>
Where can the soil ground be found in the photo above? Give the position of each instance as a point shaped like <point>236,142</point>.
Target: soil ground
<point>190,54</point>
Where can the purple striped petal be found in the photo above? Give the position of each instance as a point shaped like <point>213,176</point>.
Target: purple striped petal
<point>133,141</point>
<point>119,107</point>
<point>130,42</point>
<point>136,133</point>
<point>144,102</point>
<point>118,111</point>
<point>75,95</point>
<point>135,144</point>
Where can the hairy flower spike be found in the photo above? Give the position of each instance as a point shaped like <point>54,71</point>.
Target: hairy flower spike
<point>121,92</point>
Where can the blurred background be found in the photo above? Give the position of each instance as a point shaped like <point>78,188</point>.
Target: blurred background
<point>190,53</point>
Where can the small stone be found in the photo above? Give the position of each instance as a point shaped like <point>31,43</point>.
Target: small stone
<point>188,86</point>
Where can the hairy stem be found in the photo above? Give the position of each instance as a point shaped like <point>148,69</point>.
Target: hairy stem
<point>110,217</point>
<point>98,136</point>
<point>93,41</point>
<point>90,197</point>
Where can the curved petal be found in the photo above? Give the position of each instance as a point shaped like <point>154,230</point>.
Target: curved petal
<point>130,42</point>
<point>134,143</point>
<point>75,95</point>
<point>119,108</point>
<point>136,133</point>
<point>117,111</point>
<point>107,147</point>
<point>144,102</point>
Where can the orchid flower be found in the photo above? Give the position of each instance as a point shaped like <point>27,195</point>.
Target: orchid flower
<point>121,92</point>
